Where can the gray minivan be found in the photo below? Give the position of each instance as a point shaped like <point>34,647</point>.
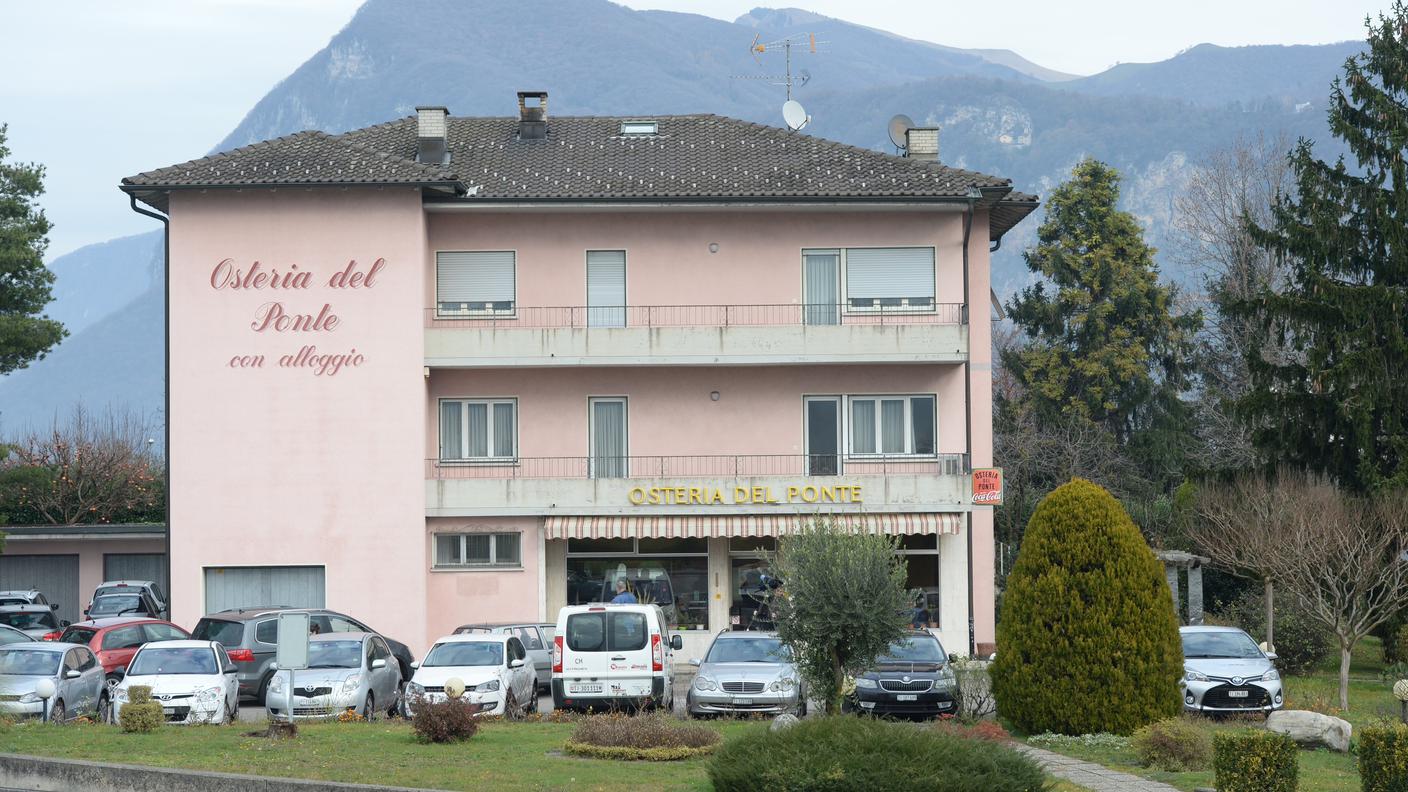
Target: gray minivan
<point>251,635</point>
<point>536,638</point>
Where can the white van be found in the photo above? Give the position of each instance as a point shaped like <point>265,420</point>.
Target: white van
<point>606,656</point>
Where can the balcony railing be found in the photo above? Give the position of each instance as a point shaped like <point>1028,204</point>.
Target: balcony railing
<point>713,466</point>
<point>581,316</point>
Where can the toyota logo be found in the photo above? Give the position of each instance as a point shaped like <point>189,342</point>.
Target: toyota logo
<point>1236,680</point>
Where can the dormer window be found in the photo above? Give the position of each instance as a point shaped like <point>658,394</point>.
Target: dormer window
<point>639,128</point>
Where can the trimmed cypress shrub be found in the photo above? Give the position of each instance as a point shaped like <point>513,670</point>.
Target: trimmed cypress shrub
<point>1088,639</point>
<point>1255,760</point>
<point>1383,758</point>
<point>841,754</point>
<point>141,713</point>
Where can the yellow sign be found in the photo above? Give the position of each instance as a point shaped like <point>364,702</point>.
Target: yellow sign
<point>709,496</point>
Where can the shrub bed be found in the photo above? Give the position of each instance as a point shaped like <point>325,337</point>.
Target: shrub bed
<point>1176,745</point>
<point>1383,758</point>
<point>1254,760</point>
<point>653,737</point>
<point>444,721</point>
<point>141,713</point>
<point>845,753</point>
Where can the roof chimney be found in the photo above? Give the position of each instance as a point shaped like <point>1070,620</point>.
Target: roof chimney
<point>532,115</point>
<point>922,143</point>
<point>431,147</point>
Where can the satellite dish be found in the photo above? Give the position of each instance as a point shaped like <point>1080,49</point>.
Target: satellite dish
<point>899,126</point>
<point>794,114</point>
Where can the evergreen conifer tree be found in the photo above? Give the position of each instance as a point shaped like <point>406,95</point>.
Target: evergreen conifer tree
<point>25,283</point>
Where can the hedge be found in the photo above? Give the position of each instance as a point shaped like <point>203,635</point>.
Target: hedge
<point>1087,616</point>
<point>1383,758</point>
<point>1255,760</point>
<point>628,754</point>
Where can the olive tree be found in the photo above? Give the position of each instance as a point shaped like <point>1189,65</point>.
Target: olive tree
<point>843,602</point>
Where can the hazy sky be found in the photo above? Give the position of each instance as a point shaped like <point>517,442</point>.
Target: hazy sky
<point>97,89</point>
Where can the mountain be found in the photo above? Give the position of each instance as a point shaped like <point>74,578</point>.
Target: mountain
<point>998,113</point>
<point>1210,75</point>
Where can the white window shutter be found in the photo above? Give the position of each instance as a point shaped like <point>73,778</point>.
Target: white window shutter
<point>887,273</point>
<point>474,277</point>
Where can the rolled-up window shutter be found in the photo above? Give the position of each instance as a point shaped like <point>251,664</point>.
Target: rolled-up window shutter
<point>890,274</point>
<point>474,281</point>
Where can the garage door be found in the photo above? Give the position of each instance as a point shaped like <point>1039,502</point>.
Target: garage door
<point>55,575</point>
<point>248,587</point>
<point>135,566</point>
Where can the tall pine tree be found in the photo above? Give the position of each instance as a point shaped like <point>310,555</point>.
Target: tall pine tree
<point>25,283</point>
<point>1337,401</point>
<point>1103,340</point>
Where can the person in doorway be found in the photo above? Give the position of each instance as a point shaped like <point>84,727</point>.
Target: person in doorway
<point>623,594</point>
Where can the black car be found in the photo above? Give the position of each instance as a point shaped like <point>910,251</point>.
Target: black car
<point>912,679</point>
<point>250,636</point>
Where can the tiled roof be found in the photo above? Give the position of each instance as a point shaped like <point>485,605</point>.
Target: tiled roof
<point>690,158</point>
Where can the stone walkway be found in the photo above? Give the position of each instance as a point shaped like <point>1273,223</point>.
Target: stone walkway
<point>1094,777</point>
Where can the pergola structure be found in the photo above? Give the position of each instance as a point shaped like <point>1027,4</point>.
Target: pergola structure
<point>1176,561</point>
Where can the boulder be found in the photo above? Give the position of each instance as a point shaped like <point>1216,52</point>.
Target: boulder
<point>783,721</point>
<point>1311,729</point>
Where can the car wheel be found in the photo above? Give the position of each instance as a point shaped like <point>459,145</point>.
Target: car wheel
<point>369,708</point>
<point>262,697</point>
<point>57,712</point>
<point>104,708</point>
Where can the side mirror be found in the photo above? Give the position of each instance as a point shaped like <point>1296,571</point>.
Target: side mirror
<point>516,662</point>
<point>694,661</point>
<point>676,642</point>
<point>415,664</point>
<point>953,657</point>
<point>378,663</point>
<point>72,674</point>
<point>1270,655</point>
<point>274,666</point>
<point>53,607</point>
<point>232,670</point>
<point>65,623</point>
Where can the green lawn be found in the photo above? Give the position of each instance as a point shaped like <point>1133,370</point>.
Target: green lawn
<point>1370,701</point>
<point>501,755</point>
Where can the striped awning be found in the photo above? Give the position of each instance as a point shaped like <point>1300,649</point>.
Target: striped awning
<point>691,526</point>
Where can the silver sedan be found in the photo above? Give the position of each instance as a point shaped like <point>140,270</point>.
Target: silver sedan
<point>75,673</point>
<point>346,672</point>
<point>743,673</point>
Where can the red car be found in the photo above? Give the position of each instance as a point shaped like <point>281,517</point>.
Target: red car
<point>114,640</point>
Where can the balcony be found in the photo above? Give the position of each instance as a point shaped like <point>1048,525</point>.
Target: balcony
<point>708,485</point>
<point>676,335</point>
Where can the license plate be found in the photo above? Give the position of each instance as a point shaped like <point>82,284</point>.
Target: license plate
<point>740,702</point>
<point>168,711</point>
<point>906,697</point>
<point>585,688</point>
<point>1237,694</point>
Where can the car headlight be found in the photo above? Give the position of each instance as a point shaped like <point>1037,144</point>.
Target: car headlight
<point>208,697</point>
<point>350,685</point>
<point>1194,676</point>
<point>486,687</point>
<point>276,685</point>
<point>705,683</point>
<point>30,698</point>
<point>865,683</point>
<point>784,684</point>
<point>415,689</point>
<point>119,694</point>
<point>946,672</point>
<point>1271,676</point>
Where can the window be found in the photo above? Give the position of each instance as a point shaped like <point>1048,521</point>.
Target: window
<point>888,278</point>
<point>478,429</point>
<point>478,550</point>
<point>639,127</point>
<point>479,283</point>
<point>267,631</point>
<point>892,425</point>
<point>516,650</point>
<point>124,638</point>
<point>601,631</point>
<point>380,651</point>
<point>529,637</point>
<point>164,632</point>
<point>671,573</point>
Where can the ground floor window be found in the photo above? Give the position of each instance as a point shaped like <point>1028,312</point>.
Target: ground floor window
<point>478,550</point>
<point>671,573</point>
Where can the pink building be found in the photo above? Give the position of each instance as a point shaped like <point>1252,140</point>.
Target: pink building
<point>444,369</point>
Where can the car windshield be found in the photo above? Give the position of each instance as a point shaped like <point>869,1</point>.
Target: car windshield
<point>465,653</point>
<point>597,631</point>
<point>749,650</point>
<point>29,662</point>
<point>120,588</point>
<point>77,635</point>
<point>226,633</point>
<point>915,649</point>
<point>13,601</point>
<point>187,660</point>
<point>29,620</point>
<point>115,605</point>
<point>335,654</point>
<point>1219,644</point>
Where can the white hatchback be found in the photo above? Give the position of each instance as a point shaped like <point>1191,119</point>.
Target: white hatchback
<point>194,681</point>
<point>609,656</point>
<point>493,667</point>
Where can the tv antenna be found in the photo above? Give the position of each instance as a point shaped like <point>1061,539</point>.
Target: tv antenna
<point>784,45</point>
<point>899,132</point>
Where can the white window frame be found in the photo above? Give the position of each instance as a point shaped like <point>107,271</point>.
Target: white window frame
<point>494,562</point>
<point>465,458</point>
<point>848,421</point>
<point>482,313</point>
<point>904,307</point>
